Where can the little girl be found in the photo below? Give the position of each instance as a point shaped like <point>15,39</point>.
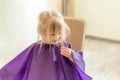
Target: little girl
<point>51,58</point>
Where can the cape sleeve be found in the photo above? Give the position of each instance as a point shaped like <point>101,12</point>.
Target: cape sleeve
<point>15,69</point>
<point>79,63</point>
<point>78,58</point>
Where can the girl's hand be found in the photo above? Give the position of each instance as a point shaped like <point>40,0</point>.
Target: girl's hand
<point>67,53</point>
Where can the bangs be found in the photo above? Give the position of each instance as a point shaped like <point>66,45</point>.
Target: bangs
<point>55,25</point>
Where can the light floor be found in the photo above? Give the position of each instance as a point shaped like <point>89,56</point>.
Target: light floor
<point>102,59</point>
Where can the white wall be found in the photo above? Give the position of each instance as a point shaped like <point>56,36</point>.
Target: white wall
<point>102,17</point>
<point>54,5</point>
<point>18,22</point>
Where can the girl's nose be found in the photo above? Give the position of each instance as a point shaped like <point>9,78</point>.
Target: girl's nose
<point>55,37</point>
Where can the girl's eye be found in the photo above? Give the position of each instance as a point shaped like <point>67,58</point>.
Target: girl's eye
<point>59,33</point>
<point>52,34</point>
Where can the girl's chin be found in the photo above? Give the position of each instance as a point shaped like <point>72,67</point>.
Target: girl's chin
<point>54,43</point>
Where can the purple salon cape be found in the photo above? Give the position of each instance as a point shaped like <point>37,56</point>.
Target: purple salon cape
<point>44,62</point>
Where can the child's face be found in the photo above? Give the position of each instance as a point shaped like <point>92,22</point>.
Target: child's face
<point>53,37</point>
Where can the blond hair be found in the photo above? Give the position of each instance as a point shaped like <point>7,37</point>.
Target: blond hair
<point>52,20</point>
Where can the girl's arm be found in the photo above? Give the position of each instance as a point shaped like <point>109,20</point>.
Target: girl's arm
<point>75,56</point>
<point>67,52</point>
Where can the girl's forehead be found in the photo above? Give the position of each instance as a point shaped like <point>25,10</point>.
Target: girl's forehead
<point>56,31</point>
